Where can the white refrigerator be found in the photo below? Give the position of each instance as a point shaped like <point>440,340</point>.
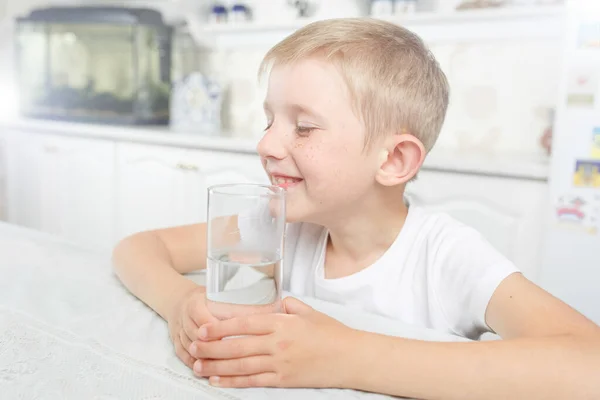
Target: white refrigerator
<point>571,262</point>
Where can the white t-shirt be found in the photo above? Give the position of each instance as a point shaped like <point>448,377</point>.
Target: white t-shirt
<point>438,274</point>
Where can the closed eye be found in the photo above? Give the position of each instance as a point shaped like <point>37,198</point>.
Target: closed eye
<point>304,130</point>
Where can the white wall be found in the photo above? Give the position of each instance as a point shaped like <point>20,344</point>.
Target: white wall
<point>501,91</point>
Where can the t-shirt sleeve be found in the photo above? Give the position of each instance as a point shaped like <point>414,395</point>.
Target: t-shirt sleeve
<point>467,271</point>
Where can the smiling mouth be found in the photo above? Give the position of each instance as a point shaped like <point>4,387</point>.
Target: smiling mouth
<point>285,182</point>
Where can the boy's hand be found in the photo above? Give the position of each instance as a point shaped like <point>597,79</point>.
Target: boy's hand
<point>302,348</point>
<point>184,321</point>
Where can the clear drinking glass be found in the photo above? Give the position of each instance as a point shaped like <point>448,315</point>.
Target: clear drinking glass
<point>245,232</point>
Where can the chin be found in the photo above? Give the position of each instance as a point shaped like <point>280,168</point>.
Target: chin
<point>292,218</point>
<point>301,209</point>
<point>293,214</point>
<point>302,214</point>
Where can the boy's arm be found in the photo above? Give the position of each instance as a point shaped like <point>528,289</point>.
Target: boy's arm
<point>550,352</point>
<point>150,264</point>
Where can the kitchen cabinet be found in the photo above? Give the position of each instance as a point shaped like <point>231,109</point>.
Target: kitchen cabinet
<point>95,191</point>
<point>508,212</point>
<point>156,187</point>
<point>227,168</point>
<point>160,186</point>
<point>62,186</point>
<point>23,179</point>
<point>2,176</point>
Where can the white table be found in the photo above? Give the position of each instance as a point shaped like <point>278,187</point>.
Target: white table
<point>69,330</point>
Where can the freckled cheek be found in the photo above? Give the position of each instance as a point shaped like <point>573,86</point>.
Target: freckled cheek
<point>313,168</point>
<point>304,154</point>
<point>298,144</point>
<point>323,165</point>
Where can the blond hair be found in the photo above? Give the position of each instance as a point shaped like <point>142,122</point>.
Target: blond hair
<point>394,80</point>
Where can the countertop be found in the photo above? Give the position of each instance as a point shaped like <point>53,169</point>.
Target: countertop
<point>157,135</point>
<point>70,330</point>
<point>509,165</point>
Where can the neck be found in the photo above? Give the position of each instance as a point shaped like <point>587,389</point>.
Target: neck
<point>357,240</point>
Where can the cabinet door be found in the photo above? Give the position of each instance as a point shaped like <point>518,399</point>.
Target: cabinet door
<point>23,179</point>
<point>161,187</point>
<point>3,180</point>
<point>157,187</point>
<point>77,189</point>
<point>63,186</point>
<point>508,212</point>
<point>2,176</point>
<point>223,168</point>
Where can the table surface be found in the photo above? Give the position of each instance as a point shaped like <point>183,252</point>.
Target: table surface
<point>70,330</point>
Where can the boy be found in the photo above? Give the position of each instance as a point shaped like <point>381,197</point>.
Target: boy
<point>353,107</point>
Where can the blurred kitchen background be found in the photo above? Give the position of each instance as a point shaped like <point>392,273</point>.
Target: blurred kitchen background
<point>116,116</point>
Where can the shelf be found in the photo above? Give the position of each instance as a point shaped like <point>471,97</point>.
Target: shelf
<point>509,23</point>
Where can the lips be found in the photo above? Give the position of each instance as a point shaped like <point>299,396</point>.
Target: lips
<point>285,182</point>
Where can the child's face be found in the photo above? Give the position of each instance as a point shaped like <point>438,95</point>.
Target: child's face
<point>314,144</point>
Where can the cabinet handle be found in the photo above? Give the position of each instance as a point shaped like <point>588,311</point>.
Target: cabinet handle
<point>187,167</point>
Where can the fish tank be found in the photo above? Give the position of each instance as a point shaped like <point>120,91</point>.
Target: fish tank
<point>94,64</point>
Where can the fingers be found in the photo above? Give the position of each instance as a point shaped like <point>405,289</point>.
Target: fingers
<point>268,379</point>
<point>184,340</point>
<point>294,306</point>
<point>249,325</point>
<point>235,367</point>
<point>224,311</point>
<point>232,348</point>
<point>183,354</point>
<point>191,329</point>
<point>199,313</point>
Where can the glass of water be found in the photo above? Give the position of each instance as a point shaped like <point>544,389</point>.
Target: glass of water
<point>245,234</point>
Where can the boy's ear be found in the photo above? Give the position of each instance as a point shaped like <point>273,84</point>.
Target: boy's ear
<point>400,159</point>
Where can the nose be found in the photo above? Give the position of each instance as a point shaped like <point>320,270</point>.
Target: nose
<point>273,144</point>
